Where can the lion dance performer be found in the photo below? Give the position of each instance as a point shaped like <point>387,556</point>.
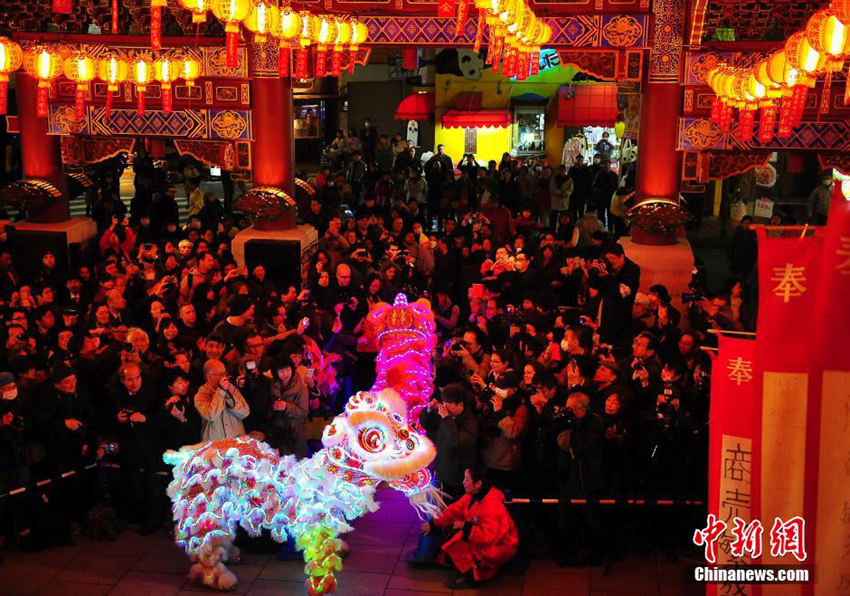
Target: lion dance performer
<point>221,484</point>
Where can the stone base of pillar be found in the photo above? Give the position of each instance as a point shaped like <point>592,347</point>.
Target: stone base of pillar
<point>67,240</point>
<point>285,254</point>
<point>669,265</point>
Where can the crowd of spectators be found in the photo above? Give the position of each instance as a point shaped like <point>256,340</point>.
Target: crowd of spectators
<point>554,372</point>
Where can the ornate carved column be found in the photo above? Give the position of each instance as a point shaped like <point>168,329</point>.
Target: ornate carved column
<point>41,153</point>
<point>659,164</point>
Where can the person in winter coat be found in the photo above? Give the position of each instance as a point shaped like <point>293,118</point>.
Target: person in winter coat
<point>220,404</point>
<point>454,430</point>
<point>286,428</point>
<point>178,420</point>
<point>487,536</point>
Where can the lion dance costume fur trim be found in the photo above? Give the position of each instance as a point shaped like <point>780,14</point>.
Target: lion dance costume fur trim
<point>241,481</point>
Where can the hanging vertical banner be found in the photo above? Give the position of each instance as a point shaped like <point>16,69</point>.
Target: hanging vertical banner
<point>446,8</point>
<point>731,436</point>
<point>788,278</point>
<point>828,495</point>
<point>410,58</point>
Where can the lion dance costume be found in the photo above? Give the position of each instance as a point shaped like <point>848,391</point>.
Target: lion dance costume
<point>221,484</point>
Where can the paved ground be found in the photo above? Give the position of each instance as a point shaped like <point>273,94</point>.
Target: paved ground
<point>153,566</point>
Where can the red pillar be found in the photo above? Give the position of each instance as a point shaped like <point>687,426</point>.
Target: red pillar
<point>41,153</point>
<point>659,164</point>
<point>274,148</point>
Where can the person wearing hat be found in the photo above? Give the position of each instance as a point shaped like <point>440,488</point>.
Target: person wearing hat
<point>504,424</point>
<point>240,317</point>
<point>454,430</point>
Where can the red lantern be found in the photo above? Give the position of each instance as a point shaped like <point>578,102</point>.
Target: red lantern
<point>11,58</point>
<point>80,69</point>
<point>112,71</point>
<point>344,32</point>
<point>231,13</point>
<point>165,71</point>
<point>288,28</point>
<point>45,65</point>
<point>324,33</point>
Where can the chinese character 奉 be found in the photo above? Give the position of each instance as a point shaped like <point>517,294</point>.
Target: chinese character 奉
<point>740,370</point>
<point>790,281</point>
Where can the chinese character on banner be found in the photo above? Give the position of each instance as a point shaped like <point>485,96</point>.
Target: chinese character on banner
<point>740,370</point>
<point>747,538</point>
<point>844,251</point>
<point>709,536</point>
<point>736,464</point>
<point>788,538</point>
<point>790,281</point>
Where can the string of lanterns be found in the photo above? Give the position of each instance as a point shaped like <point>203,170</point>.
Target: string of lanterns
<point>515,35</point>
<point>47,63</point>
<point>778,85</point>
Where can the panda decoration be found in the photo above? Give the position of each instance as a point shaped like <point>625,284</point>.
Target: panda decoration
<point>461,62</point>
<point>413,133</point>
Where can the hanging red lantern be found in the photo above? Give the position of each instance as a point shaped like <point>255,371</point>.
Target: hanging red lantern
<point>166,69</point>
<point>80,69</point>
<point>359,35</point>
<point>11,58</point>
<point>198,8</point>
<point>262,21</point>
<point>305,40</point>
<point>324,33</point>
<point>141,74</point>
<point>231,13</point>
<point>113,71</point>
<point>156,22</point>
<point>344,31</point>
<point>45,65</point>
<point>288,28</point>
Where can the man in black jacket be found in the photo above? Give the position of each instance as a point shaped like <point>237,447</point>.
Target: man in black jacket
<point>454,430</point>
<point>580,439</point>
<point>617,280</point>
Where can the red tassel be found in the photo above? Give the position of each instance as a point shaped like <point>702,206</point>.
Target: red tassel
<point>114,17</point>
<point>41,104</point>
<point>847,89</point>
<point>716,109</point>
<point>301,63</point>
<point>767,122</point>
<point>800,94</point>
<point>321,61</point>
<point>462,14</point>
<point>166,99</point>
<point>4,92</point>
<point>352,59</point>
<point>499,45</point>
<point>479,34</point>
<point>826,95</point>
<point>140,101</point>
<point>156,27</point>
<point>108,110</point>
<point>746,125</point>
<point>535,63</point>
<point>336,63</point>
<point>80,102</point>
<point>232,48</point>
<point>283,62</point>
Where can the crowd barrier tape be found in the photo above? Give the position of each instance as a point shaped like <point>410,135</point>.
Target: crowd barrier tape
<point>67,474</point>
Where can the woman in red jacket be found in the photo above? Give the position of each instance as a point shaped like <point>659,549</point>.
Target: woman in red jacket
<point>488,536</point>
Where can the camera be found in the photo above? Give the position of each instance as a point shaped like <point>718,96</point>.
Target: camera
<point>250,366</point>
<point>457,346</point>
<point>563,418</point>
<point>129,348</point>
<point>110,448</point>
<point>597,267</point>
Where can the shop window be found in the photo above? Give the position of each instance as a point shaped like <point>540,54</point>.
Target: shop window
<point>529,130</point>
<point>307,123</point>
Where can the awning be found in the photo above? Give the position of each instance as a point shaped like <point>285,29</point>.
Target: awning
<point>416,106</point>
<point>587,105</point>
<point>477,119</point>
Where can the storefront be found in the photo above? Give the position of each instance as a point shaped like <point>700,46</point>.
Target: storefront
<point>482,113</point>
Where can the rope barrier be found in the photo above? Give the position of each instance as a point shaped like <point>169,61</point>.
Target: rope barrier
<point>67,474</point>
<point>622,501</point>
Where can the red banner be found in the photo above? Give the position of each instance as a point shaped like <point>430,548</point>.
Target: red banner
<point>446,8</point>
<point>789,269</point>
<point>62,6</point>
<point>731,471</point>
<point>828,471</point>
